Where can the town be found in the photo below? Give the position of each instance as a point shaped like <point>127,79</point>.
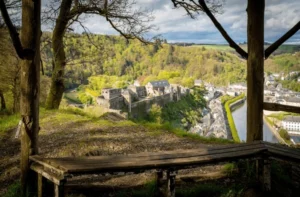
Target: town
<point>136,101</point>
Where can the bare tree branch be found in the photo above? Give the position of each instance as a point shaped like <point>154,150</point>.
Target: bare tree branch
<point>22,53</point>
<point>281,40</point>
<point>222,30</point>
<point>192,7</point>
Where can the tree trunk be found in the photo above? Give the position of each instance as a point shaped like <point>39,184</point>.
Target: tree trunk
<point>57,82</point>
<point>30,78</point>
<point>255,70</point>
<point>3,105</point>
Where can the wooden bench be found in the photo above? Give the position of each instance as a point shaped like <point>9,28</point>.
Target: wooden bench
<point>58,170</point>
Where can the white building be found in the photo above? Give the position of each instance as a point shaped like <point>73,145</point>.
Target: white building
<point>292,124</point>
<point>293,101</point>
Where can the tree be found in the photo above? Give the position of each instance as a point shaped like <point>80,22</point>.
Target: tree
<point>130,23</point>
<point>255,56</point>
<point>28,49</point>
<point>10,72</point>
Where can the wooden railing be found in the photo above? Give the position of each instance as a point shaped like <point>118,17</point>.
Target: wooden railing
<point>279,107</point>
<point>60,170</point>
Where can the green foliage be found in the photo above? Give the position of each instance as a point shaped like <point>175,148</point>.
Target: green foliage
<point>13,190</point>
<point>229,168</point>
<point>186,112</point>
<point>234,132</point>
<point>284,134</point>
<point>84,98</point>
<point>291,84</point>
<point>117,57</point>
<point>225,98</point>
<point>155,114</point>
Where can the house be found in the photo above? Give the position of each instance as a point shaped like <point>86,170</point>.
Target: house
<point>276,75</point>
<point>111,98</point>
<point>140,91</point>
<point>198,82</point>
<point>209,95</point>
<point>209,87</point>
<point>293,101</point>
<point>291,124</point>
<point>231,93</point>
<point>270,80</point>
<point>239,86</point>
<point>136,83</point>
<point>109,93</point>
<point>156,88</point>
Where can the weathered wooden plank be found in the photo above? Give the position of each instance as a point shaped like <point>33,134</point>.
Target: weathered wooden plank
<point>283,154</point>
<point>155,164</point>
<point>280,107</point>
<point>66,162</point>
<point>44,162</point>
<point>147,156</point>
<point>48,175</point>
<point>282,148</point>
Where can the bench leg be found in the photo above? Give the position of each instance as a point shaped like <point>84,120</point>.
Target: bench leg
<point>40,185</point>
<point>263,171</point>
<point>159,183</point>
<point>171,176</point>
<point>59,190</point>
<point>267,175</point>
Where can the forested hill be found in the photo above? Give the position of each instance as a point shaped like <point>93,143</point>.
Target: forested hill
<point>114,56</point>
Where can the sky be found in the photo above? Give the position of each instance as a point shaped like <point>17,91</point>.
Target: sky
<point>175,26</point>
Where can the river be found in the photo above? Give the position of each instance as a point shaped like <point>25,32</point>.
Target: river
<point>240,120</point>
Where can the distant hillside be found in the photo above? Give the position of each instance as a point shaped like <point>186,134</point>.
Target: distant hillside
<point>114,56</point>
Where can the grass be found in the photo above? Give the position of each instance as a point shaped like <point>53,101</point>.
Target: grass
<point>13,190</point>
<point>8,122</point>
<point>229,168</point>
<point>72,96</point>
<point>206,189</point>
<point>280,116</point>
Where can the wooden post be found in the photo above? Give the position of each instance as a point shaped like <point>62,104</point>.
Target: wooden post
<point>159,183</point>
<point>255,70</point>
<point>30,79</point>
<point>171,175</point>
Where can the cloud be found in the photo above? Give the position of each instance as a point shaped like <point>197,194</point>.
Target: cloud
<point>176,26</point>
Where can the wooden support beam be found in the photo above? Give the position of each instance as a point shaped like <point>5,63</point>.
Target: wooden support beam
<point>279,107</point>
<point>171,176</point>
<point>255,70</point>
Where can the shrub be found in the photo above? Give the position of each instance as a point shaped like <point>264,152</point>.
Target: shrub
<point>284,134</point>
<point>155,114</point>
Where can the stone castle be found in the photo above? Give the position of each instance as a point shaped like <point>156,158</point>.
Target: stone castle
<point>138,99</point>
